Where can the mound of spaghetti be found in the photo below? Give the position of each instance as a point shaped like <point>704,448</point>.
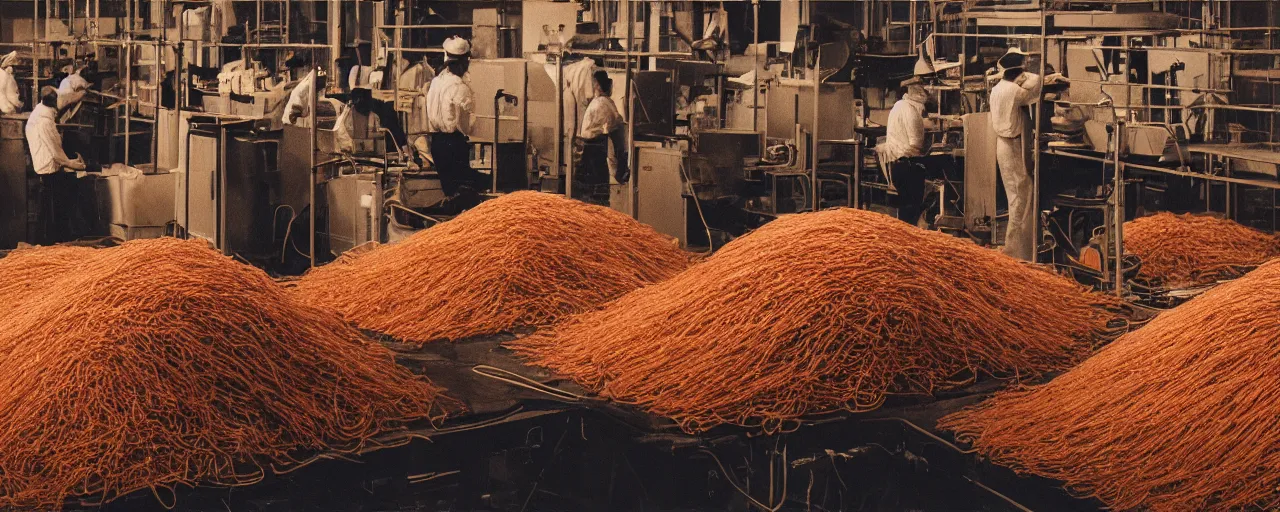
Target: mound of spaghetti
<point>161,362</point>
<point>1180,250</point>
<point>821,312</point>
<point>524,259</point>
<point>1182,414</point>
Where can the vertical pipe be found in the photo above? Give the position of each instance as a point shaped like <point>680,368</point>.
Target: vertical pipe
<point>1118,220</point>
<point>1035,145</point>
<point>493,157</point>
<point>155,99</point>
<point>221,205</point>
<point>629,76</point>
<point>35,54</point>
<point>560,171</point>
<point>128,88</point>
<point>755,68</point>
<point>813,131</point>
<point>311,156</point>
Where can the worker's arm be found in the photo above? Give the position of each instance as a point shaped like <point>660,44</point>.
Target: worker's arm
<point>53,139</point>
<point>390,120</point>
<point>464,104</point>
<point>1031,85</point>
<point>595,122</point>
<point>916,133</point>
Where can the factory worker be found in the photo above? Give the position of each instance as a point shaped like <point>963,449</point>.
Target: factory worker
<point>601,125</point>
<point>297,111</point>
<point>73,88</point>
<point>904,143</point>
<point>56,171</point>
<point>579,89</point>
<point>1016,90</point>
<point>9,100</point>
<point>381,114</point>
<point>450,105</point>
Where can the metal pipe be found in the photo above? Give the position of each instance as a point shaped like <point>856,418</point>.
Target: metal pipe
<point>497,120</point>
<point>632,187</point>
<point>128,87</point>
<point>1118,221</point>
<point>560,171</point>
<point>813,131</point>
<point>1039,119</point>
<point>755,68</point>
<point>35,55</point>
<point>311,156</point>
<point>221,204</point>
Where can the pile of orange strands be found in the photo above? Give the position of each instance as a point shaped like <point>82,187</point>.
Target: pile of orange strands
<point>1182,414</point>
<point>524,259</point>
<point>1188,249</point>
<point>821,312</point>
<point>161,362</point>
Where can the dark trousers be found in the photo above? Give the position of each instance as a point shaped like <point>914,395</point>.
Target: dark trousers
<point>909,175</point>
<point>57,207</point>
<point>591,177</point>
<point>451,153</point>
<point>908,178</point>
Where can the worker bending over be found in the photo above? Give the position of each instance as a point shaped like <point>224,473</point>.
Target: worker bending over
<point>73,88</point>
<point>601,125</point>
<point>297,110</point>
<point>9,100</point>
<point>903,146</point>
<point>1010,120</point>
<point>450,105</point>
<point>56,171</point>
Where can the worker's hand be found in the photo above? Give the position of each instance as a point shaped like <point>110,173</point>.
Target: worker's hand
<point>77,164</point>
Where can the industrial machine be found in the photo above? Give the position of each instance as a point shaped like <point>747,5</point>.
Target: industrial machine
<point>226,190</point>
<point>13,182</point>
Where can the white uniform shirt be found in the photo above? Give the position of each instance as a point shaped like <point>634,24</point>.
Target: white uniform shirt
<point>905,135</point>
<point>450,103</point>
<point>579,89</point>
<point>71,89</point>
<point>601,118</point>
<point>72,83</point>
<point>9,101</point>
<point>1007,99</point>
<point>45,141</point>
<point>301,97</point>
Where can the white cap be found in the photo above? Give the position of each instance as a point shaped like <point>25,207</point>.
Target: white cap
<point>456,48</point>
<point>9,59</point>
<point>1014,50</point>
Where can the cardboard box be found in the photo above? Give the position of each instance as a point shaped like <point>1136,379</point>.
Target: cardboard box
<point>143,200</point>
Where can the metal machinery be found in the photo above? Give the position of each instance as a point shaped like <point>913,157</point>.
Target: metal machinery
<point>501,121</point>
<point>353,210</point>
<point>13,182</point>
<point>227,191</point>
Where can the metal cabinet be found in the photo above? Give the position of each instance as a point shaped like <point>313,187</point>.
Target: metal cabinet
<point>661,192</point>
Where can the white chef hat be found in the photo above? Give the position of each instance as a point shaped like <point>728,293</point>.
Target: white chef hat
<point>1014,58</point>
<point>9,59</point>
<point>456,48</point>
